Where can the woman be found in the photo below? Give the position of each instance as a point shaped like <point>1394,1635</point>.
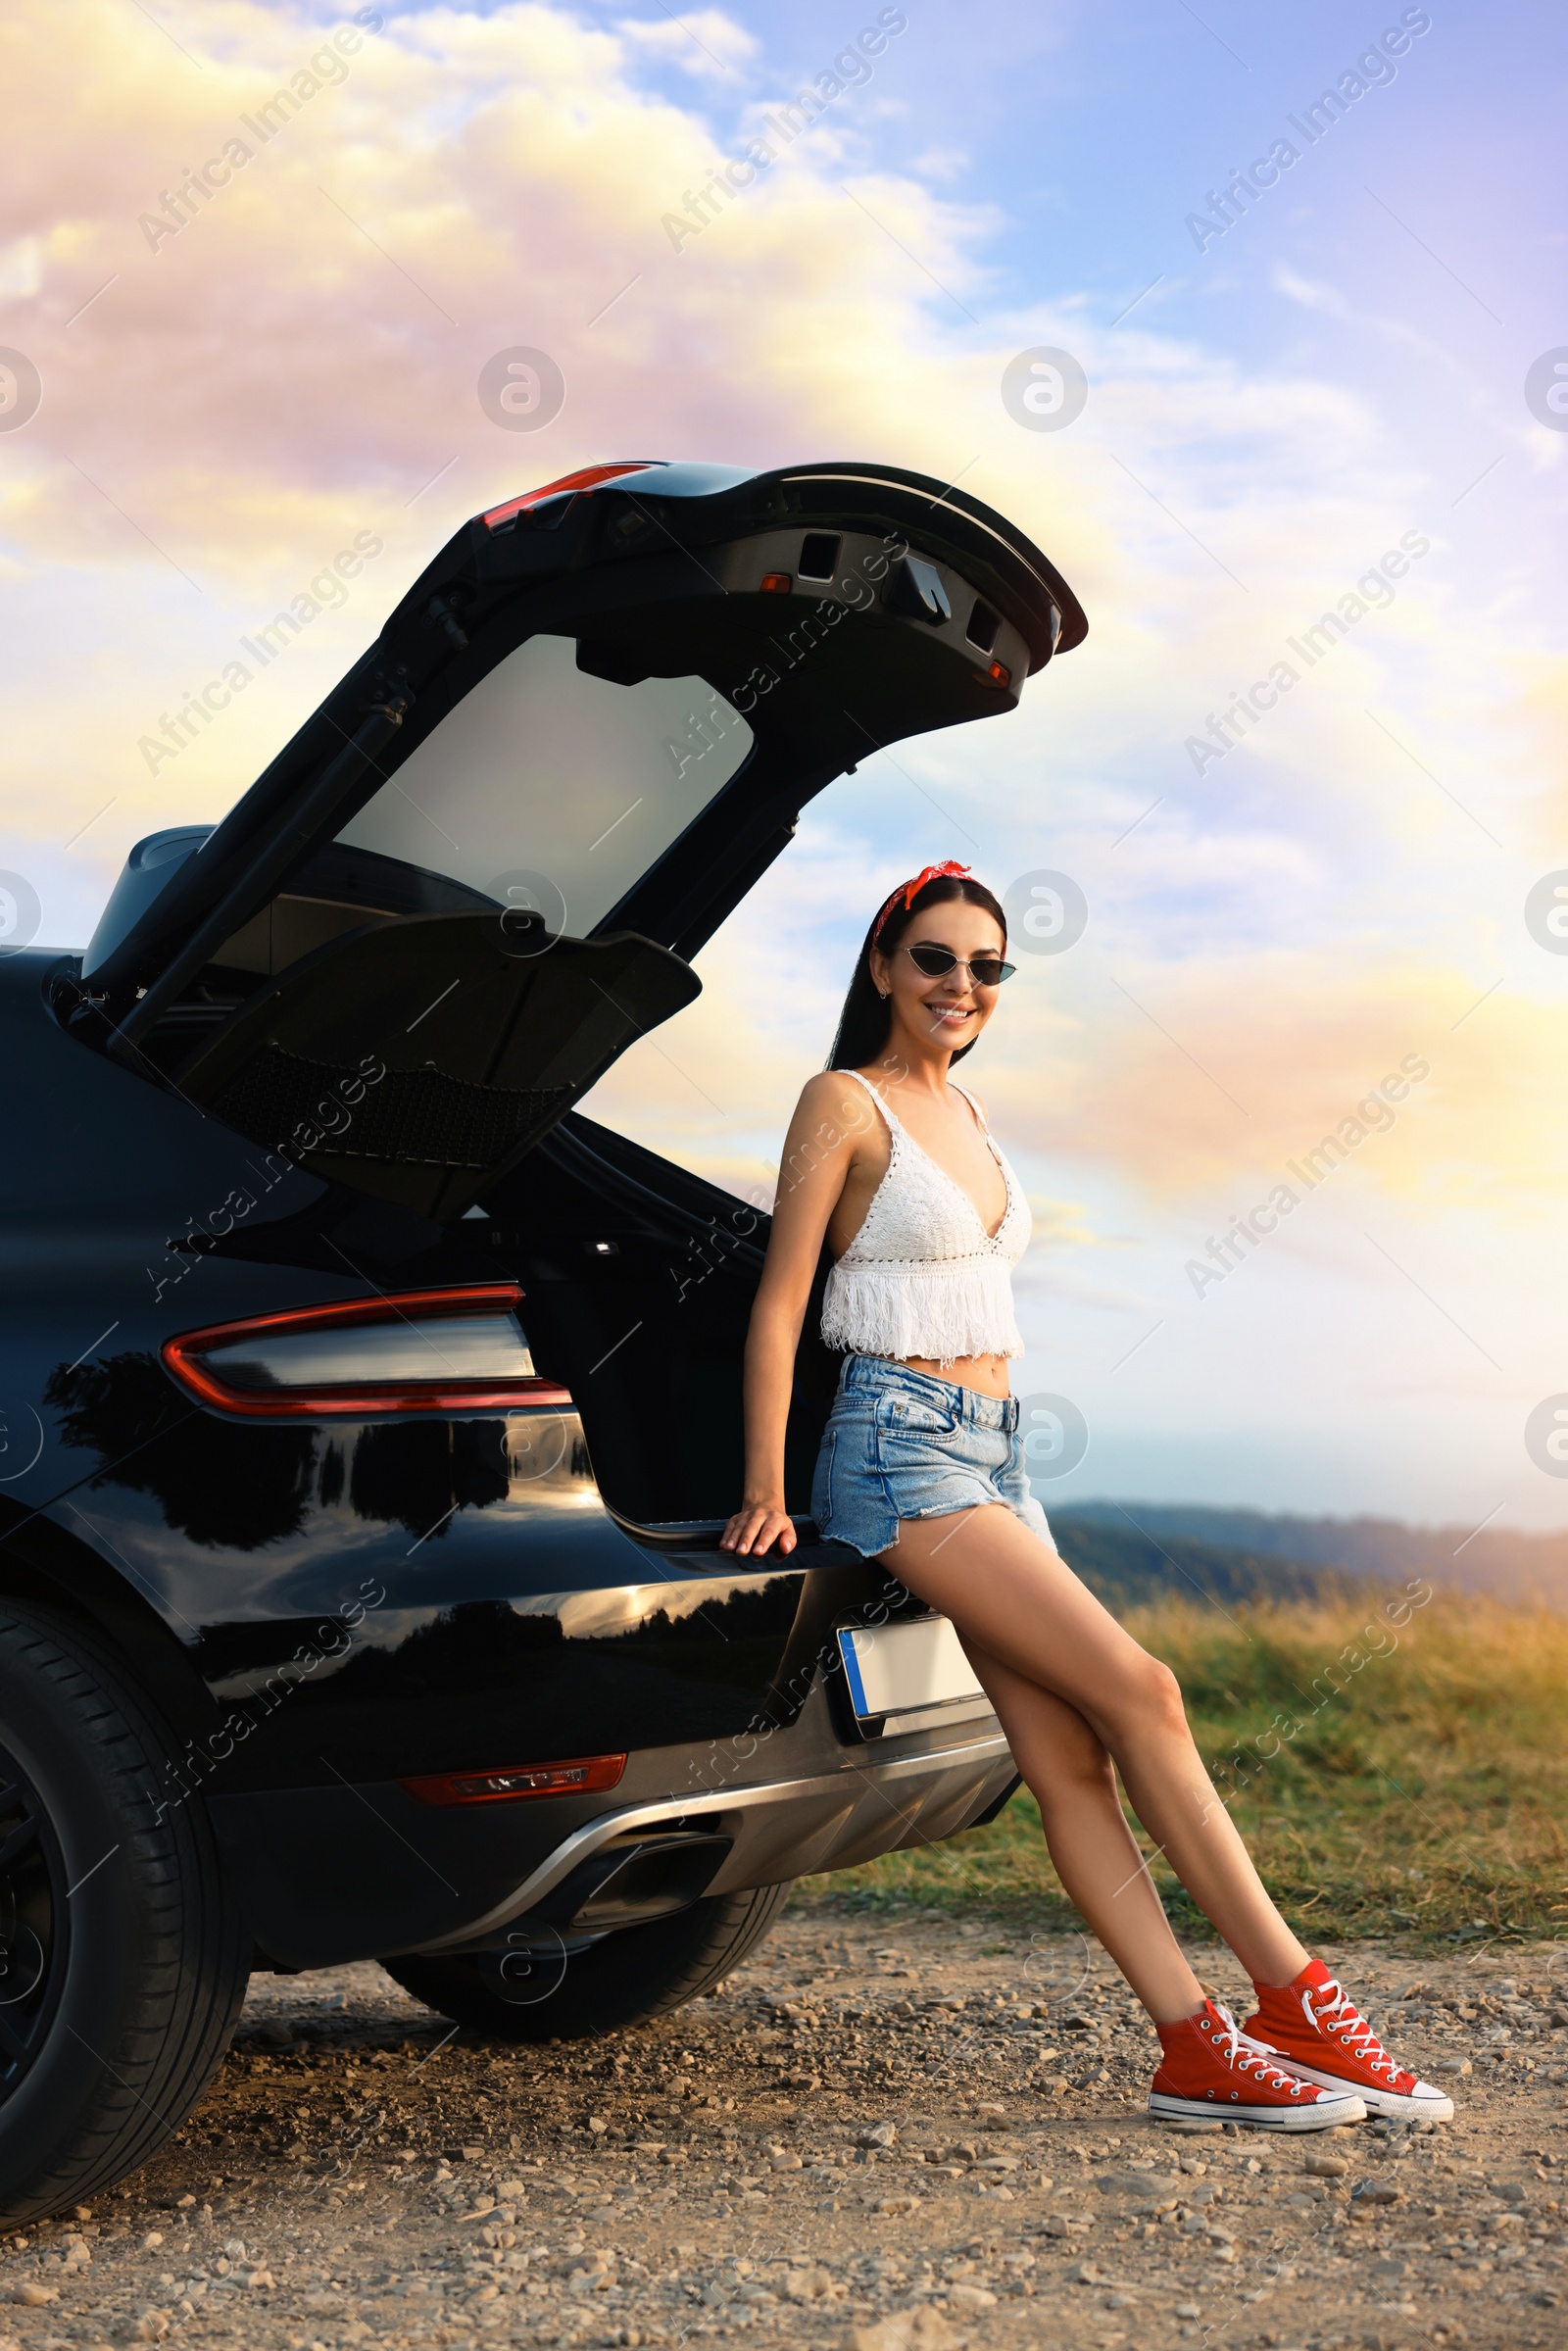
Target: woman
<point>922,1468</point>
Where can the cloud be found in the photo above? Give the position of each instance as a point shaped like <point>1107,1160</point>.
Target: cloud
<point>1206,1077</point>
<point>21,267</point>
<point>704,42</point>
<point>942,162</point>
<point>1309,293</point>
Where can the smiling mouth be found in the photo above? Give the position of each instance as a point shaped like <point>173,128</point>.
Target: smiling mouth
<point>951,1012</point>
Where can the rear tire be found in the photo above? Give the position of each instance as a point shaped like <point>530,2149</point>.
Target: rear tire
<point>641,1972</point>
<point>122,1960</point>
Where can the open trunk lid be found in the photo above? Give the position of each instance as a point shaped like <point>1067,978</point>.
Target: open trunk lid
<point>480,869</point>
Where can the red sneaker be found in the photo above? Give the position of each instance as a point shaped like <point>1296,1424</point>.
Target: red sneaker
<point>1313,2025</point>
<point>1208,2068</point>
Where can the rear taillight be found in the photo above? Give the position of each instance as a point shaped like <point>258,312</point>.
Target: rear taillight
<point>579,1776</point>
<point>425,1350</point>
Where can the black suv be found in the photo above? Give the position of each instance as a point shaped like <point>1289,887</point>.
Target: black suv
<point>369,1416</point>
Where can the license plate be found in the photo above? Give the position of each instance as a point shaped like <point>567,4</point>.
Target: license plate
<point>898,1673</point>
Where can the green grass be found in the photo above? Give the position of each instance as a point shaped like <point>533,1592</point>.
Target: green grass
<point>1421,1792</point>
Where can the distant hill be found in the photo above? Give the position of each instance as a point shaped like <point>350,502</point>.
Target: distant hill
<point>1123,1566</point>
<point>1355,1551</point>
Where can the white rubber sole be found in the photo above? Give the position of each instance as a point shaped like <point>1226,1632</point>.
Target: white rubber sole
<point>1425,2104</point>
<point>1324,2114</point>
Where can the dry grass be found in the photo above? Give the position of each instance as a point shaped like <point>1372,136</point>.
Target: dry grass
<point>1421,1790</point>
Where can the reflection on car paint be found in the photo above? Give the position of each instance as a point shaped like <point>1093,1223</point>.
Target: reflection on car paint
<point>596,1615</point>
<point>237,1486</point>
<point>502,1682</point>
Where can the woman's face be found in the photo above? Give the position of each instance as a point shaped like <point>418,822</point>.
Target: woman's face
<point>950,1011</point>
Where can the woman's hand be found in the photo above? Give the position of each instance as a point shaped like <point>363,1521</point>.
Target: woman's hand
<point>756,1527</point>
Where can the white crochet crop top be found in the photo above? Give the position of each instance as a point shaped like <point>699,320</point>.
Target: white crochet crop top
<point>922,1276</point>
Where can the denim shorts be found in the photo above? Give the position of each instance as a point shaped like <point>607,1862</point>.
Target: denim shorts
<point>899,1443</point>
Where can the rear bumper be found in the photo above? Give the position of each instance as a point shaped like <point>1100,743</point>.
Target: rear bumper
<point>783,1829</point>
<point>346,1872</point>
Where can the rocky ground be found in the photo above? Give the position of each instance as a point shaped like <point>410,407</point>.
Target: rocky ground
<point>874,2137</point>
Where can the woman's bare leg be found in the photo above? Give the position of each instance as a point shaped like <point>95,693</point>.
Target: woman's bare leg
<point>1047,1651</point>
<point>1068,1770</point>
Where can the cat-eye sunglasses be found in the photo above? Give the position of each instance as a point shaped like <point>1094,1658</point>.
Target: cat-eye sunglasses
<point>986,971</point>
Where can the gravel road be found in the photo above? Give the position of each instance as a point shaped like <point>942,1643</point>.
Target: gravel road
<point>905,2136</point>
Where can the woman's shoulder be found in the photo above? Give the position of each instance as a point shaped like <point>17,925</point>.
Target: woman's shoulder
<point>834,1092</point>
<point>839,1108</point>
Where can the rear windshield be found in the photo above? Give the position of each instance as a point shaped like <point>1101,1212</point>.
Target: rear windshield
<point>551,789</point>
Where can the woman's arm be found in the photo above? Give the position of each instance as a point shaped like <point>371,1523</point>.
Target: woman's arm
<point>818,1152</point>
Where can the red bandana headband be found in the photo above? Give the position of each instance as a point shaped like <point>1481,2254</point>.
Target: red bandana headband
<point>909,892</point>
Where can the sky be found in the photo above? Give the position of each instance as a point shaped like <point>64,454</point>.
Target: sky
<point>1329,390</point>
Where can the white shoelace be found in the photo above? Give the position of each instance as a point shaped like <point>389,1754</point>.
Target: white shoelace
<point>1340,2015</point>
<point>1245,2056</point>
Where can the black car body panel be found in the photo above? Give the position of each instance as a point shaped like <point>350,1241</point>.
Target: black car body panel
<point>238,1106</point>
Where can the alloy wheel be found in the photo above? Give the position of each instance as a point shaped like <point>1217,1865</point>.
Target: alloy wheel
<point>34,1924</point>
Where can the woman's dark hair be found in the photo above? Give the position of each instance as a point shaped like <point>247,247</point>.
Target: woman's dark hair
<point>866,1017</point>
